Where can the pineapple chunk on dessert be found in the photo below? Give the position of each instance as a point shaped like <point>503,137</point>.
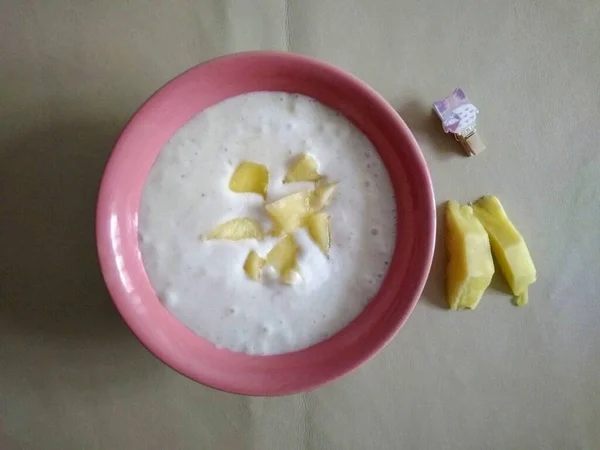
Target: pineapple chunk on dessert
<point>289,213</point>
<point>237,230</point>
<point>253,266</point>
<point>283,256</point>
<point>250,177</point>
<point>319,231</point>
<point>305,168</point>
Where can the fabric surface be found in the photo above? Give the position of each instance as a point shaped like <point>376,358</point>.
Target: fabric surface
<point>501,377</point>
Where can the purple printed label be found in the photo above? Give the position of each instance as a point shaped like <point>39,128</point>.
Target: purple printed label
<point>457,114</point>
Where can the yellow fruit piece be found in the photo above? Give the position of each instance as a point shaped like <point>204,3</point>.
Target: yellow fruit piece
<point>276,231</point>
<point>290,213</point>
<point>508,246</point>
<point>282,256</point>
<point>253,266</point>
<point>322,196</point>
<point>318,229</point>
<point>236,230</point>
<point>470,264</point>
<point>250,177</point>
<point>305,168</point>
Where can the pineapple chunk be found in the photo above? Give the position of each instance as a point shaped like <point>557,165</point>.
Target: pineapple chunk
<point>318,228</point>
<point>253,266</point>
<point>321,196</point>
<point>508,247</point>
<point>470,264</point>
<point>250,177</point>
<point>305,168</point>
<point>236,230</point>
<point>290,213</point>
<point>276,231</point>
<point>282,256</point>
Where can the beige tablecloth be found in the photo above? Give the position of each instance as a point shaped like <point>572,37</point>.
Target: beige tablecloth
<point>501,377</point>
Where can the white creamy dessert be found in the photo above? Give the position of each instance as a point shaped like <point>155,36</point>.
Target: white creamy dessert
<point>202,282</point>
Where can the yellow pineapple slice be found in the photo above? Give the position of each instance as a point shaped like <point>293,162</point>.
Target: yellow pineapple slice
<point>282,256</point>
<point>321,197</point>
<point>318,229</point>
<point>250,177</point>
<point>508,247</point>
<point>288,213</point>
<point>237,230</point>
<point>305,168</point>
<point>470,264</point>
<point>276,231</point>
<point>253,265</point>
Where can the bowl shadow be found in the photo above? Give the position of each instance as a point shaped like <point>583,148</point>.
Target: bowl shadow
<point>50,280</point>
<point>58,325</point>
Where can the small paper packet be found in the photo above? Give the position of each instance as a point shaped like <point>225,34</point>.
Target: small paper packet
<point>459,117</point>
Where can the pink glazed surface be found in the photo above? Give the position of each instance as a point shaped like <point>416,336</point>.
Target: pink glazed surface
<point>117,220</point>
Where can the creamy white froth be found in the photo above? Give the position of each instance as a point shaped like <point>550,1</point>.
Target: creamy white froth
<point>203,284</point>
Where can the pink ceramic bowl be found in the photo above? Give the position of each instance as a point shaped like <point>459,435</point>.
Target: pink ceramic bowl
<point>117,222</point>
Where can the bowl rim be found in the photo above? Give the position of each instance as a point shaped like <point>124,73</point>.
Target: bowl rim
<point>110,271</point>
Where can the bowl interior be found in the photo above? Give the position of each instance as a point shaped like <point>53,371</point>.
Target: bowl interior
<point>135,152</point>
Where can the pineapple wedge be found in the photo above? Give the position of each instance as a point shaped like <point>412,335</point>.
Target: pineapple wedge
<point>290,213</point>
<point>253,266</point>
<point>276,231</point>
<point>321,196</point>
<point>470,264</point>
<point>250,177</point>
<point>318,229</point>
<point>237,230</point>
<point>305,168</point>
<point>282,256</point>
<point>508,247</point>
